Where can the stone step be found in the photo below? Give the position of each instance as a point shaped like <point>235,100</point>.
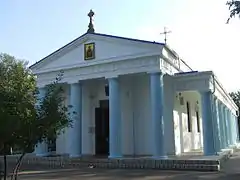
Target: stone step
<point>194,165</point>
<point>212,163</point>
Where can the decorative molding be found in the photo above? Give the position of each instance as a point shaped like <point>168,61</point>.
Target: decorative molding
<point>225,96</point>
<point>111,76</point>
<point>73,81</point>
<point>203,81</point>
<point>98,62</point>
<point>111,69</point>
<point>155,71</point>
<point>191,84</point>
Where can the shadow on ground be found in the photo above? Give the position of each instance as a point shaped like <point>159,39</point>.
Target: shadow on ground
<point>231,171</point>
<point>103,174</point>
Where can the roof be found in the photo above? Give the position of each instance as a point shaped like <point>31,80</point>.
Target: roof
<point>97,34</point>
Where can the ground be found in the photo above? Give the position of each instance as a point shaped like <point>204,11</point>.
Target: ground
<point>230,171</point>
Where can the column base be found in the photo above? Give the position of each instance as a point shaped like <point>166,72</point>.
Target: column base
<point>43,154</point>
<point>210,154</point>
<point>238,144</point>
<point>115,156</point>
<point>159,157</point>
<point>75,155</point>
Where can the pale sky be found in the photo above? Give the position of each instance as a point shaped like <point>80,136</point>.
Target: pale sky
<point>33,29</point>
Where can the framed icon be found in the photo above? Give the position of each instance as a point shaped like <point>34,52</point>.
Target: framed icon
<point>89,51</point>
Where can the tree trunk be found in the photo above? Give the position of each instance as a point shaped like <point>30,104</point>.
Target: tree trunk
<point>15,171</point>
<point>5,166</point>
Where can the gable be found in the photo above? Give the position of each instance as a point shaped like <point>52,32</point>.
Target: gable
<point>106,48</point>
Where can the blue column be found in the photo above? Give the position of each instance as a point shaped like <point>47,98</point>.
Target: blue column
<point>221,124</point>
<point>216,125</point>
<point>207,121</point>
<point>224,143</point>
<point>231,131</point>
<point>226,126</point>
<point>41,149</point>
<point>157,101</point>
<point>75,132</point>
<point>237,129</point>
<point>115,142</point>
<point>234,132</point>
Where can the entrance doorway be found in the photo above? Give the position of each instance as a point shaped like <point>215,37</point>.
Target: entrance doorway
<point>102,128</point>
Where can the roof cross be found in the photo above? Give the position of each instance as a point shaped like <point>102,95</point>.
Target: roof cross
<point>165,34</point>
<point>90,26</point>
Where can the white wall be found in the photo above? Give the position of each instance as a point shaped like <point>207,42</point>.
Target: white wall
<point>105,48</point>
<point>135,112</point>
<point>168,114</point>
<point>187,141</point>
<point>136,117</point>
<point>141,115</point>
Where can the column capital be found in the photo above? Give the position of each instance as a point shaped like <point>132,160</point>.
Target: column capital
<point>111,76</point>
<point>155,72</point>
<point>205,91</point>
<point>73,81</point>
<point>40,86</point>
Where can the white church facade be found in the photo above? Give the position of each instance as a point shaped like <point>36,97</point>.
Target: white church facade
<point>136,98</point>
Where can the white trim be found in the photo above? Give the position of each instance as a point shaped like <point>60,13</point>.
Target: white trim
<point>102,70</point>
<point>111,76</point>
<point>151,46</point>
<point>224,93</point>
<point>197,81</point>
<point>98,62</point>
<point>191,81</point>
<point>73,81</point>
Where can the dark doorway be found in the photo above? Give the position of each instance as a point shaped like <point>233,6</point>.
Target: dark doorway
<point>102,128</point>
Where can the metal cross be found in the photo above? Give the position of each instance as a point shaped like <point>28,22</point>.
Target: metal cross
<point>165,34</point>
<point>90,26</point>
<point>90,15</point>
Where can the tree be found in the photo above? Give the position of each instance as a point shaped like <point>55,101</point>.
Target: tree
<point>234,7</point>
<point>236,98</point>
<point>25,118</point>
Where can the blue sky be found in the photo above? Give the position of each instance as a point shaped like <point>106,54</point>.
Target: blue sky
<point>33,29</point>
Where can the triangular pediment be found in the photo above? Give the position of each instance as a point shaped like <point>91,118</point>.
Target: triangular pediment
<point>102,47</point>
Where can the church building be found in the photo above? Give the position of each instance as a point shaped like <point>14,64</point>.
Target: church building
<point>136,98</point>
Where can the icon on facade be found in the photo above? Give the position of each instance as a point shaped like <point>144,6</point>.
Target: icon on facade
<point>89,51</point>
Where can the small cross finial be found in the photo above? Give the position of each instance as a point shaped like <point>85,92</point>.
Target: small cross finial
<point>165,34</point>
<point>90,26</point>
<point>91,14</point>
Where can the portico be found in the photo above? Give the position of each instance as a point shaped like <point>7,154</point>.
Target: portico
<point>129,124</point>
<point>136,98</point>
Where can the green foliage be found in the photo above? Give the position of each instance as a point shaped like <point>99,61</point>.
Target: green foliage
<point>236,98</point>
<point>234,7</point>
<point>17,86</point>
<point>52,115</point>
<point>25,117</point>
